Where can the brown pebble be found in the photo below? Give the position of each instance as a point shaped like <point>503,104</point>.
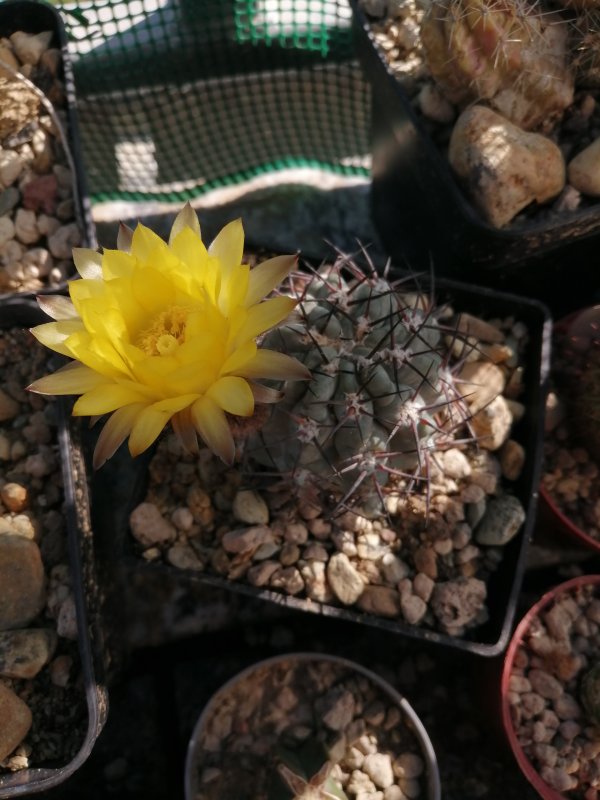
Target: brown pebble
<point>15,721</point>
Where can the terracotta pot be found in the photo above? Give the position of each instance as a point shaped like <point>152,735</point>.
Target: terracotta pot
<point>433,788</point>
<point>529,770</point>
<point>573,325</point>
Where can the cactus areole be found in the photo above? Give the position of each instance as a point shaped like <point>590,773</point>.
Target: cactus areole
<point>382,398</point>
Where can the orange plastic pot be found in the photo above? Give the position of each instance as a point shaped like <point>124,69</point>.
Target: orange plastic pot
<point>528,769</point>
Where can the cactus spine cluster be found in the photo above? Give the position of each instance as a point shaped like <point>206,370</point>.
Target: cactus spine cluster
<point>382,397</point>
<point>502,51</point>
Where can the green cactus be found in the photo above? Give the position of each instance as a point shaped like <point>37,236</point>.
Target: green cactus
<point>502,51</point>
<point>382,395</point>
<point>589,694</point>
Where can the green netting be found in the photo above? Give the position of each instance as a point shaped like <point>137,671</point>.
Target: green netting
<point>179,97</point>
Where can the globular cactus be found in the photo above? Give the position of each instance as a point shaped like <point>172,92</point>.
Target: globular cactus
<point>584,31</point>
<point>589,694</point>
<point>502,51</point>
<point>382,397</point>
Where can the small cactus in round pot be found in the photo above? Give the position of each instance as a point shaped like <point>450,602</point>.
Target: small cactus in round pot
<point>382,398</point>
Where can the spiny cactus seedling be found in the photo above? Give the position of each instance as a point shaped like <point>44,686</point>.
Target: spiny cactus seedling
<point>502,51</point>
<point>589,694</point>
<point>382,397</point>
<point>320,786</point>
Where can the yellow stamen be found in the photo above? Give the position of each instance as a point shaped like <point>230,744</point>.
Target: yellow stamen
<point>165,333</point>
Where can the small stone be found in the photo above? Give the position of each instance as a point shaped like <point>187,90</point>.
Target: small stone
<point>344,579</point>
<point>26,229</point>
<point>183,519</point>
<point>39,194</point>
<point>558,779</point>
<point>545,684</point>
<point>22,580</point>
<point>503,518</point>
<point>261,574</point>
<point>583,171</point>
<point>481,330</point>
<point>183,556</point>
<point>11,166</point>
<point>63,240</point>
<point>14,496</point>
<point>23,653</point>
<point>503,167</point>
<point>15,721</point>
<point>338,709</point>
<point>378,767</point>
<point>245,540</point>
<point>380,600</point>
<point>60,670</point>
<point>491,425</point>
<point>512,459</point>
<point>290,553</point>
<point>9,198</point>
<point>6,56</point>
<point>423,586</point>
<point>66,621</point>
<point>288,579</point>
<point>425,559</point>
<point>434,105</point>
<point>457,603</point>
<point>555,412</point>
<point>480,383</point>
<point>29,47</point>
<point>149,527</point>
<point>455,464</point>
<point>296,533</point>
<point>409,765</point>
<point>51,60</point>
<point>249,506</point>
<point>393,568</point>
<point>413,608</point>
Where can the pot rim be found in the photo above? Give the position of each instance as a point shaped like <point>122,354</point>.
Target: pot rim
<point>527,767</point>
<point>427,750</point>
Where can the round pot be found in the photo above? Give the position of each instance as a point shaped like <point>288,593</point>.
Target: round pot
<point>432,778</point>
<point>573,325</point>
<point>527,767</point>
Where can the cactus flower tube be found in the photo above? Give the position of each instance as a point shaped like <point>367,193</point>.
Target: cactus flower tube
<point>163,333</point>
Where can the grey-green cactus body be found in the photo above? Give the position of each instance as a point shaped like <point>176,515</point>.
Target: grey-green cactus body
<point>380,384</point>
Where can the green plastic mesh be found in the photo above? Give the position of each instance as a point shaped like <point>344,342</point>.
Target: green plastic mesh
<point>179,97</point>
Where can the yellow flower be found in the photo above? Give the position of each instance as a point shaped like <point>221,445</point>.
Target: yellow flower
<point>165,333</point>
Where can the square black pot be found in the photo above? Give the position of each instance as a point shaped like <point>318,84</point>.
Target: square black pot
<point>120,486</point>
<point>23,313</point>
<point>425,220</point>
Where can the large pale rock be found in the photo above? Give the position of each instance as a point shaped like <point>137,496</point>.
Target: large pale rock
<point>584,170</point>
<point>15,721</point>
<point>344,579</point>
<point>504,168</point>
<point>492,424</point>
<point>29,47</point>
<point>149,526</point>
<point>22,579</point>
<point>23,653</point>
<point>19,106</point>
<point>480,382</point>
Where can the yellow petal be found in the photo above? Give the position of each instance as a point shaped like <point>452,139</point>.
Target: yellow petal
<point>233,395</point>
<point>185,431</point>
<point>145,243</point>
<point>117,264</point>
<point>264,316</point>
<point>175,404</point>
<point>105,398</point>
<point>152,289</point>
<point>113,434</point>
<point>124,237</point>
<point>266,276</point>
<point>73,378</point>
<point>146,429</point>
<point>228,245</point>
<point>274,365</point>
<point>234,288</point>
<point>239,357</point>
<point>88,263</point>
<point>187,218</point>
<point>57,306</point>
<point>55,334</point>
<point>211,424</point>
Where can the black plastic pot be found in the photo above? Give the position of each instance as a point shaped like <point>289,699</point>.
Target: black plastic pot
<point>19,313</point>
<point>423,217</point>
<point>222,698</point>
<point>32,16</point>
<point>120,485</point>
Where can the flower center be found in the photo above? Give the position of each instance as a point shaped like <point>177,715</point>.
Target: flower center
<point>165,333</point>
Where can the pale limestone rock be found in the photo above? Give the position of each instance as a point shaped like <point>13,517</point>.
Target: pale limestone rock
<point>7,231</point>
<point>378,767</point>
<point>26,229</point>
<point>149,527</point>
<point>504,168</point>
<point>344,579</point>
<point>501,522</point>
<point>19,106</point>
<point>15,721</point>
<point>246,540</point>
<point>512,459</point>
<point>481,330</point>
<point>584,170</point>
<point>380,600</point>
<point>479,383</point>
<point>11,166</point>
<point>492,424</point>
<point>434,105</point>
<point>29,47</point>
<point>63,240</point>
<point>249,507</point>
